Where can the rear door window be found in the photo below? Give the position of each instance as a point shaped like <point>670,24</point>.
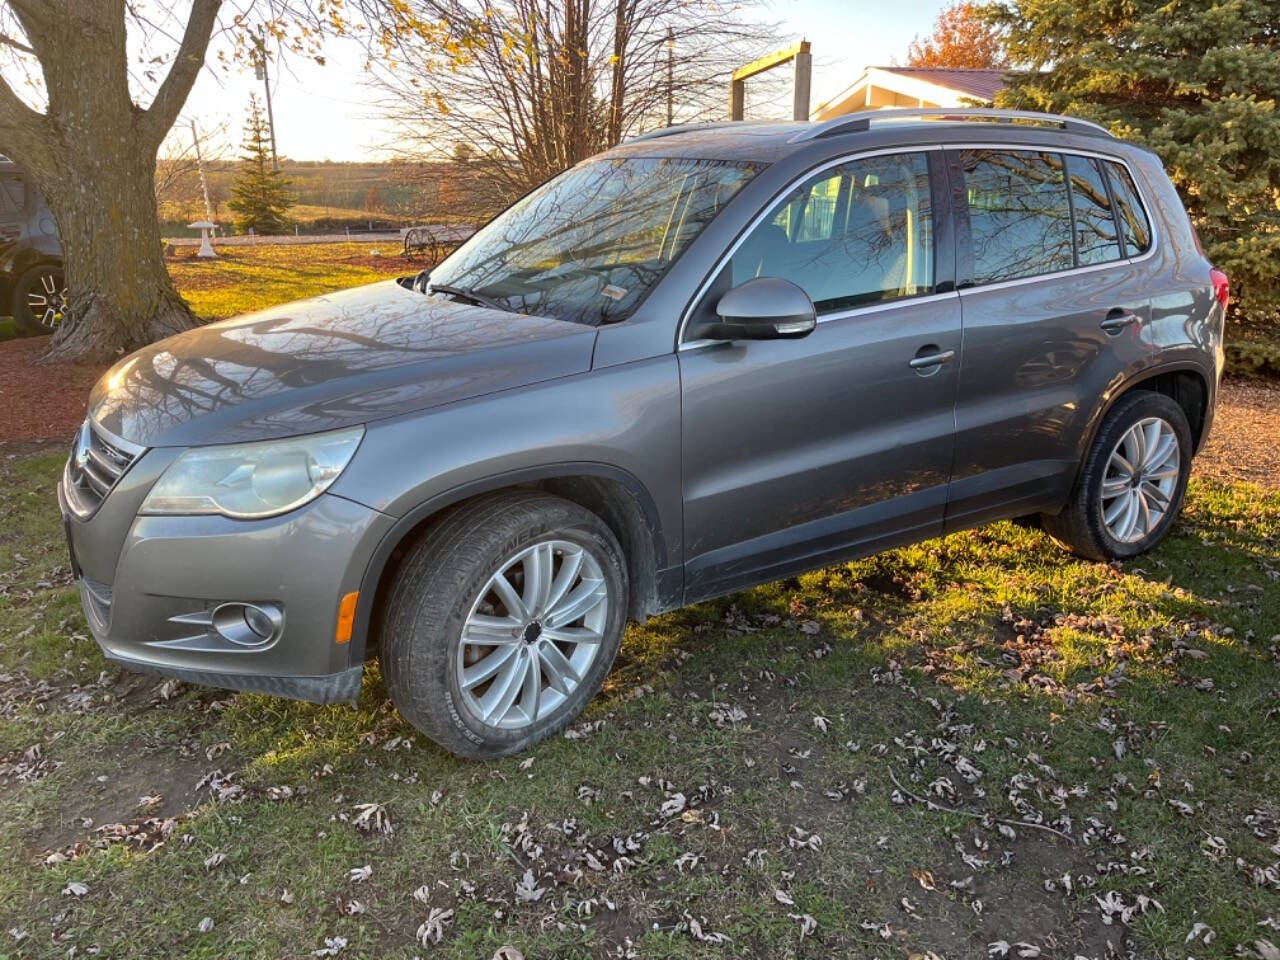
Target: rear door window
<point>1134,225</point>
<point>1019,213</point>
<point>1096,237</point>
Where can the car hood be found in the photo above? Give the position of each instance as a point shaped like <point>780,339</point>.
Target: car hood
<point>329,362</point>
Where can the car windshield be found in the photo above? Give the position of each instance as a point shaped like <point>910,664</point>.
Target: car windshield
<point>588,245</point>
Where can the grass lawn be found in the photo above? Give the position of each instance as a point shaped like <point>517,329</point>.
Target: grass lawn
<point>252,278</point>
<point>975,740</point>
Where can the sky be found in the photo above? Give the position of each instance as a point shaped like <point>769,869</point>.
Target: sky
<point>328,112</point>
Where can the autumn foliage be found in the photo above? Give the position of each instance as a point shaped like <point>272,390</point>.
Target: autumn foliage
<point>961,37</point>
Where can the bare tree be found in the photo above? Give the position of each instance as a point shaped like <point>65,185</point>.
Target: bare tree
<point>535,86</point>
<point>74,77</point>
<point>179,192</point>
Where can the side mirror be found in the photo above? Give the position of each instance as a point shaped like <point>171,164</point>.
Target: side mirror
<point>764,308</point>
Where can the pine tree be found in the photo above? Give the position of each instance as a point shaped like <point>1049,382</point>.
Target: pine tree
<point>260,196</point>
<point>1195,80</point>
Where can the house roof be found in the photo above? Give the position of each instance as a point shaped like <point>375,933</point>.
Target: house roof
<point>977,83</point>
<point>942,86</point>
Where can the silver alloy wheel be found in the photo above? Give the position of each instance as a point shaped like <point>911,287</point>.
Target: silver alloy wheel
<point>48,302</point>
<point>532,634</point>
<point>1140,479</point>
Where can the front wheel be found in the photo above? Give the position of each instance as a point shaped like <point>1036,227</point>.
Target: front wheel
<point>1133,481</point>
<point>40,299</point>
<point>503,621</point>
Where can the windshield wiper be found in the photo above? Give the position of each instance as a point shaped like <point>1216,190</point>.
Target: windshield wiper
<point>462,293</point>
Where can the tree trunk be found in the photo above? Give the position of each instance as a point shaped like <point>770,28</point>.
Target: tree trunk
<point>93,157</point>
<point>121,297</point>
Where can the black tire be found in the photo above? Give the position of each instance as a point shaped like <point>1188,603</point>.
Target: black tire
<point>1080,526</point>
<point>45,282</point>
<point>432,594</point>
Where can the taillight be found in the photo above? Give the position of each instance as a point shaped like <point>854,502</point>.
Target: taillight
<point>1221,286</point>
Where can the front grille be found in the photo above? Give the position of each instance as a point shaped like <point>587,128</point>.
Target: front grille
<point>98,459</point>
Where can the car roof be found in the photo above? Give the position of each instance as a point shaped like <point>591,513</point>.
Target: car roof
<point>769,141</point>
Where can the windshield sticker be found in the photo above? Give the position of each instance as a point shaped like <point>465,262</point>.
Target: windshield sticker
<point>614,292</point>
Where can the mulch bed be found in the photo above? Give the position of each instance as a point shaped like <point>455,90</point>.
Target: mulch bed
<point>41,401</point>
<point>1245,441</point>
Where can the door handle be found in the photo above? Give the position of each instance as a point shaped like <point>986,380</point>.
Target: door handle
<point>1118,319</point>
<point>931,360</point>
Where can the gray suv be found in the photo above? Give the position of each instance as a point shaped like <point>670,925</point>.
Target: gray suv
<point>710,357</point>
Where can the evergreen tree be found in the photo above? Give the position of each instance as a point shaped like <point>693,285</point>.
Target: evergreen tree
<point>1195,80</point>
<point>260,196</point>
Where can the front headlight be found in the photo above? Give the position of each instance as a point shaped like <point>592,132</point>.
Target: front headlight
<point>251,480</point>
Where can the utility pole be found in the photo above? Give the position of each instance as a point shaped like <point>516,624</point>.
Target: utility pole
<point>671,74</point>
<point>204,184</point>
<point>260,68</point>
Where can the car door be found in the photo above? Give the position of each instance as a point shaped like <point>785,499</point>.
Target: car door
<point>795,452</point>
<point>1052,314</point>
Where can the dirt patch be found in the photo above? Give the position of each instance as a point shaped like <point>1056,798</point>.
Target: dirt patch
<point>1016,905</point>
<point>124,786</point>
<point>1245,442</point>
<point>41,401</point>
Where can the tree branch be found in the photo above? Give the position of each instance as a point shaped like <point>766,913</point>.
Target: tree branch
<point>173,92</point>
<point>9,41</point>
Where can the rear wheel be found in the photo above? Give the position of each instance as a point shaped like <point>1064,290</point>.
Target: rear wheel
<point>40,298</point>
<point>1133,482</point>
<point>503,621</point>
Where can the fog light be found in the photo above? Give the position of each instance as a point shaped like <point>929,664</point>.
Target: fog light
<point>248,624</point>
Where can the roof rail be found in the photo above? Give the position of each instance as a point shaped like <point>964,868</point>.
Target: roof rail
<point>683,128</point>
<point>864,120</point>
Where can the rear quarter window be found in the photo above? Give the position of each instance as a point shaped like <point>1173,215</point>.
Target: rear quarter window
<point>1096,238</point>
<point>1134,225</point>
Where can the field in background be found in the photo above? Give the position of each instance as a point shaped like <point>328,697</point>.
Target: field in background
<point>330,196</point>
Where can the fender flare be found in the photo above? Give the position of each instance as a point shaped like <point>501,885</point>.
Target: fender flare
<point>412,519</point>
<point>1136,378</point>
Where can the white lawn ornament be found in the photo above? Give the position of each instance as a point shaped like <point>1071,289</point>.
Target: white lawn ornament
<point>206,248</point>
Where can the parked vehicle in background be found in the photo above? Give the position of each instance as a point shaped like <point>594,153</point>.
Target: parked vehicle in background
<point>32,287</point>
<point>710,357</point>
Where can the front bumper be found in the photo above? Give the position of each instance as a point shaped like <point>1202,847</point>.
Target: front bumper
<point>150,584</point>
<point>341,687</point>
